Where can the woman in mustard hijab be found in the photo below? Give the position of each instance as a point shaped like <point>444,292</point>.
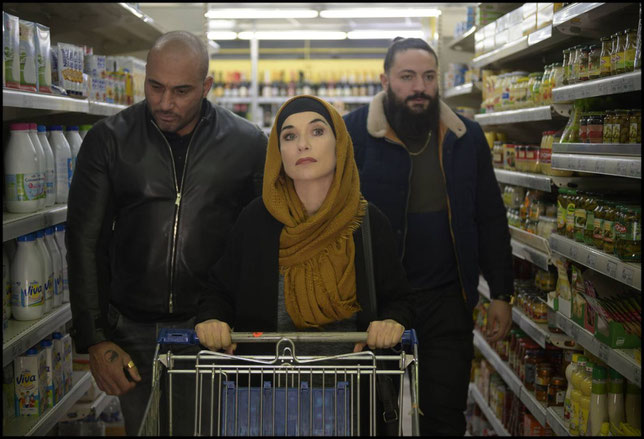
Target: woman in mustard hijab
<point>295,259</point>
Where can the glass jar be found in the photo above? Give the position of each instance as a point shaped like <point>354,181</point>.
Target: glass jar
<point>607,135</point>
<point>595,128</point>
<point>505,94</point>
<point>549,280</point>
<point>519,157</point>
<point>621,126</point>
<point>580,218</point>
<point>629,239</point>
<point>566,66</point>
<point>604,63</point>
<point>572,200</point>
<point>542,380</point>
<point>532,78</point>
<point>557,391</point>
<point>598,223</point>
<point>533,356</point>
<point>594,61</point>
<point>497,154</point>
<point>539,311</point>
<point>531,163</point>
<point>557,77</point>
<point>520,99</point>
<point>583,124</point>
<point>630,40</point>
<point>583,64</point>
<point>618,53</point>
<point>608,225</point>
<point>509,157</point>
<point>573,77</point>
<point>619,225</point>
<point>537,209</point>
<point>536,90</point>
<point>562,204</point>
<point>546,84</point>
<point>635,127</point>
<point>546,226</point>
<point>591,205</point>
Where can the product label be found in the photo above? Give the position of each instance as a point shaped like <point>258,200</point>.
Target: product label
<point>580,218</point>
<point>590,220</point>
<point>49,286</point>
<point>27,56</point>
<point>607,135</point>
<point>23,187</point>
<point>559,397</point>
<point>58,285</point>
<point>598,228</point>
<point>545,156</point>
<point>632,133</point>
<point>629,59</point>
<point>570,218</point>
<point>604,65</point>
<point>583,422</point>
<point>29,297</point>
<point>620,230</point>
<point>70,171</point>
<point>632,231</point>
<point>27,395</point>
<point>530,370</point>
<point>561,217</point>
<point>609,231</point>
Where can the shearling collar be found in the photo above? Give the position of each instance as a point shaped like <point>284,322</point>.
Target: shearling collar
<point>378,126</point>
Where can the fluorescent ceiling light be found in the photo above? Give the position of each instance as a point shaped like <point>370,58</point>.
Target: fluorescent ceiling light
<point>384,34</point>
<point>221,24</point>
<point>294,35</point>
<point>248,14</point>
<point>221,35</point>
<point>380,13</point>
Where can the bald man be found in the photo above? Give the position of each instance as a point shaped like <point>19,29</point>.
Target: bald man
<point>156,189</point>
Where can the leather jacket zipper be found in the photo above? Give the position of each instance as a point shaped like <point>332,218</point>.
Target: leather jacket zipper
<point>177,204</point>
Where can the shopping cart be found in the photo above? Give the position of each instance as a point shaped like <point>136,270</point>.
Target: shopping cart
<point>283,394</point>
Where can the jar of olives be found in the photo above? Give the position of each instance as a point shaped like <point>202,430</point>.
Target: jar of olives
<point>635,127</point>
<point>572,201</point>
<point>580,217</point>
<point>628,241</point>
<point>598,222</point>
<point>608,225</point>
<point>591,205</point>
<point>607,134</point>
<point>621,126</point>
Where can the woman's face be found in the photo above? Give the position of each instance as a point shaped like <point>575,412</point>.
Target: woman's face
<point>307,146</point>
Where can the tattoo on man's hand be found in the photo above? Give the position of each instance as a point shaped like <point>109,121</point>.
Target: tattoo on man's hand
<point>111,355</point>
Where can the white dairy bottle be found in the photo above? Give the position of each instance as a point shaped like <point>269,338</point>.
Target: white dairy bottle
<point>42,159</point>
<point>48,270</point>
<point>27,292</point>
<point>21,171</point>
<point>75,141</point>
<point>50,178</point>
<point>64,165</point>
<point>6,290</point>
<point>83,130</point>
<point>59,234</point>
<point>57,261</point>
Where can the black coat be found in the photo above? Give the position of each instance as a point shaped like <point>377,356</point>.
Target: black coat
<point>243,285</point>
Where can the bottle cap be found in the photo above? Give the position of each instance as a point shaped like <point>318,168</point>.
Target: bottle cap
<point>40,234</point>
<point>72,128</point>
<point>19,127</point>
<point>33,126</point>
<point>45,343</point>
<point>49,231</point>
<point>59,227</point>
<point>32,351</point>
<point>42,129</point>
<point>56,335</point>
<point>599,373</point>
<point>27,237</point>
<point>55,127</point>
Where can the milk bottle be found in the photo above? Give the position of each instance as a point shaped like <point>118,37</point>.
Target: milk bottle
<point>27,280</point>
<point>57,262</point>
<point>48,348</point>
<point>60,240</point>
<point>83,129</point>
<point>58,354</point>
<point>29,381</point>
<point>63,347</point>
<point>6,290</point>
<point>63,160</point>
<point>23,186</point>
<point>33,135</point>
<point>48,271</point>
<point>50,196</point>
<point>74,140</point>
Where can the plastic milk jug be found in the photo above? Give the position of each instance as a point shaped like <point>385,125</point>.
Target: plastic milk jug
<point>33,135</point>
<point>50,180</point>
<point>63,159</point>
<point>74,140</point>
<point>21,171</point>
<point>57,262</point>
<point>48,271</point>
<point>59,235</point>
<point>27,280</point>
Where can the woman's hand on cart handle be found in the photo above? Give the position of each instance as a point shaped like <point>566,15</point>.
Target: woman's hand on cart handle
<point>382,334</point>
<point>214,335</point>
<point>110,365</point>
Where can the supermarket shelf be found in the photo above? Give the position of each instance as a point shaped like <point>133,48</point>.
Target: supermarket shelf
<point>22,335</point>
<point>465,42</point>
<point>484,288</point>
<point>555,418</point>
<point>546,183</point>
<point>537,409</point>
<point>41,425</point>
<point>529,253</point>
<point>537,331</point>
<point>616,149</point>
<point>618,359</point>
<point>470,89</point>
<point>573,11</point>
<point>512,48</point>
<point>281,99</point>
<point>81,410</point>
<point>630,167</point>
<point>18,224</point>
<point>611,85</point>
<point>533,181</point>
<point>537,242</point>
<point>545,112</point>
<point>487,411</point>
<point>625,272</point>
<point>41,101</point>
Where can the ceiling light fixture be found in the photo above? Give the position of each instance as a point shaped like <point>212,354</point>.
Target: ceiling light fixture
<point>221,35</point>
<point>384,34</point>
<point>252,14</point>
<point>220,24</point>
<point>293,35</point>
<point>380,13</point>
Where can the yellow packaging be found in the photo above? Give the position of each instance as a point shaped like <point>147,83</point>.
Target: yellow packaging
<point>529,24</point>
<point>544,16</point>
<point>490,136</point>
<point>528,9</point>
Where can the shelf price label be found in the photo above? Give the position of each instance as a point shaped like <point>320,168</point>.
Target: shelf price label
<point>634,169</point>
<point>600,166</point>
<point>604,352</point>
<point>574,331</point>
<point>626,275</point>
<point>621,167</point>
<point>611,269</point>
<point>573,251</point>
<point>591,259</point>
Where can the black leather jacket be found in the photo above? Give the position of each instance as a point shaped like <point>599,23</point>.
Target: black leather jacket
<point>133,240</point>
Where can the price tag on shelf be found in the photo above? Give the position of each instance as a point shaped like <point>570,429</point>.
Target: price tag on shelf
<point>626,275</point>
<point>622,168</point>
<point>635,168</point>
<point>579,164</point>
<point>604,352</point>
<point>573,251</point>
<point>591,259</point>
<point>574,331</point>
<point>611,269</point>
<point>600,166</point>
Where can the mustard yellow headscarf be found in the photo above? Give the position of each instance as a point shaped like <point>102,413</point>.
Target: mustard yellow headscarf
<point>316,254</point>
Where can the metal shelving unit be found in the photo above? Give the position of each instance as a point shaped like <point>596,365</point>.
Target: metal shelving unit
<point>555,418</point>
<point>535,114</point>
<point>529,253</point>
<point>463,90</point>
<point>624,83</point>
<point>279,100</point>
<point>18,224</point>
<point>540,182</point>
<point>487,411</point>
<point>465,42</point>
<point>625,160</point>
<point>537,331</point>
<point>42,101</point>
<point>625,272</point>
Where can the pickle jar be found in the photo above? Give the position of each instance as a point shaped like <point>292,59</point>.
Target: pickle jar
<point>635,127</point>
<point>566,66</point>
<point>531,163</point>
<point>583,64</point>
<point>570,213</point>
<point>591,205</point>
<point>595,128</point>
<point>604,63</point>
<point>594,61</point>
<point>580,217</point>
<point>630,40</point>
<point>618,54</point>
<point>519,157</point>
<point>621,126</point>
<point>629,238</point>
<point>598,222</point>
<point>557,391</point>
<point>607,134</point>
<point>608,225</point>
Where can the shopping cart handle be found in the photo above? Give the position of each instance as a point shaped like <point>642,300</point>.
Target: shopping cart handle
<point>177,336</point>
<point>409,338</point>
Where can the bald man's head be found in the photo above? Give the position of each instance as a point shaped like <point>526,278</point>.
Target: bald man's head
<point>180,42</point>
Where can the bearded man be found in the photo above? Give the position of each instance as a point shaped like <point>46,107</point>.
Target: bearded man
<point>429,170</point>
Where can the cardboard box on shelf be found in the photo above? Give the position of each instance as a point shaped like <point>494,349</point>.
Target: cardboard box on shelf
<point>490,30</point>
<point>501,39</point>
<point>544,16</point>
<point>30,381</point>
<point>529,24</point>
<point>528,9</point>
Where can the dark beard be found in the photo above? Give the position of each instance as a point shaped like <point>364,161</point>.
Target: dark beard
<point>410,125</point>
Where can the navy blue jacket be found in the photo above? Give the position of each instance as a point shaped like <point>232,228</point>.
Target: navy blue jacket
<point>478,222</point>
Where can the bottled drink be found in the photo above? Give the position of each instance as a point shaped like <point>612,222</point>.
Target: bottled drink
<point>51,167</point>
<point>64,164</point>
<point>48,271</point>
<point>75,141</point>
<point>59,235</point>
<point>27,294</point>
<point>42,160</point>
<point>6,290</point>
<point>572,367</point>
<point>23,184</point>
<point>598,401</point>
<point>57,262</point>
<point>83,129</point>
<point>615,398</point>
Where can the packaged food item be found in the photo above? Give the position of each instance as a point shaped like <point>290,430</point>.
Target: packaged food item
<point>11,50</point>
<point>519,157</point>
<point>628,233</point>
<point>497,155</point>
<point>562,209</point>
<point>615,403</point>
<point>43,57</point>
<point>95,67</point>
<point>22,170</point>
<point>47,347</point>
<point>542,381</point>
<point>28,280</point>
<point>58,356</point>
<point>630,41</point>
<point>595,128</point>
<point>583,125</point>
<point>618,53</point>
<point>28,68</point>
<point>621,126</point>
<point>531,163</point>
<point>63,346</point>
<point>598,413</point>
<point>30,380</point>
<point>608,225</point>
<point>509,157</point>
<point>556,391</point>
<point>604,58</point>
<point>573,201</point>
<point>582,71</point>
<point>566,63</point>
<point>607,133</point>
<point>597,239</point>
<point>635,127</point>
<point>591,205</point>
<point>68,68</point>
<point>594,61</point>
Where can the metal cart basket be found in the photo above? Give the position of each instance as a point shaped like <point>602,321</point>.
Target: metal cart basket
<point>283,394</point>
